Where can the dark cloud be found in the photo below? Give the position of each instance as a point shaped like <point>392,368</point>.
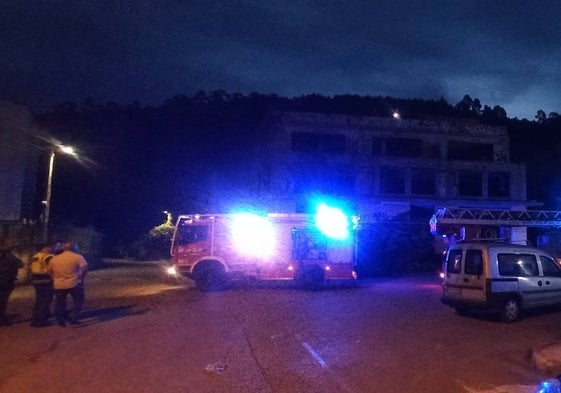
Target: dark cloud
<point>503,53</point>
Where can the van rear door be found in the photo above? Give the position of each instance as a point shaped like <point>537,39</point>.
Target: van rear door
<point>473,280</point>
<point>464,275</point>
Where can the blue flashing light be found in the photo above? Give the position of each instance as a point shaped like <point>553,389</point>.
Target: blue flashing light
<point>332,222</point>
<point>253,235</point>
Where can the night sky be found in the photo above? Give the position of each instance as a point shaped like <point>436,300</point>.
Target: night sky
<point>505,53</point>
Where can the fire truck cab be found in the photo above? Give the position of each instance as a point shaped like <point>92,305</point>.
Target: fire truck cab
<point>213,249</point>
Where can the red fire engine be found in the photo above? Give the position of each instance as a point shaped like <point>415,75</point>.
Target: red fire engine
<point>212,249</point>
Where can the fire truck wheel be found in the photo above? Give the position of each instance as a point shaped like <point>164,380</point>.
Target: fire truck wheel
<point>310,278</point>
<point>210,276</point>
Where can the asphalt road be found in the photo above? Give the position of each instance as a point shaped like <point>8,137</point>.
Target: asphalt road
<point>141,333</point>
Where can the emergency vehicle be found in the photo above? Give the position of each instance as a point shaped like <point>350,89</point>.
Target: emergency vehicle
<point>213,249</point>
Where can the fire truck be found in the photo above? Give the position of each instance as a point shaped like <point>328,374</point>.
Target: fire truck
<point>213,249</point>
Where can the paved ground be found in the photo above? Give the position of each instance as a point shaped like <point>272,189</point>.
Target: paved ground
<point>115,314</point>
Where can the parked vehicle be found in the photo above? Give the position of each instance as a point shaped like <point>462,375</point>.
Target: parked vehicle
<point>212,249</point>
<point>500,277</point>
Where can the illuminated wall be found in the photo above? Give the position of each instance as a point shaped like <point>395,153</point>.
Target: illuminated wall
<point>18,160</point>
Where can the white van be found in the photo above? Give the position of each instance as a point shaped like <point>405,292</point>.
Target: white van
<point>501,277</point>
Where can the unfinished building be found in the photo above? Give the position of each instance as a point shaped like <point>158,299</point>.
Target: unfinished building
<point>395,171</point>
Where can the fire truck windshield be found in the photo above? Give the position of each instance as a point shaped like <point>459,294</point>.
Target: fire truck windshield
<point>187,234</point>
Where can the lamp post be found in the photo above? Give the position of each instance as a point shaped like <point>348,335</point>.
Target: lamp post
<point>47,202</point>
<point>168,217</point>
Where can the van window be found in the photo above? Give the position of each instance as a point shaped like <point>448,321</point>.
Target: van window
<point>454,264</point>
<point>517,265</point>
<point>474,262</point>
<point>549,267</point>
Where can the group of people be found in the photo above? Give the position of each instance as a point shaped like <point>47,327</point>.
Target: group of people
<point>56,271</point>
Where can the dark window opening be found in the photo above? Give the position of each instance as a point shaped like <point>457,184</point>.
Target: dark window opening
<point>517,265</point>
<point>469,184</point>
<point>307,142</point>
<point>470,151</point>
<point>454,262</point>
<point>304,142</point>
<point>404,147</point>
<point>474,262</point>
<point>499,184</point>
<point>392,180</point>
<point>549,267</point>
<point>187,234</point>
<point>423,181</point>
<point>432,150</point>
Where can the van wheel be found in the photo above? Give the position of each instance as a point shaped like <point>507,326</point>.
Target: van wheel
<point>511,310</point>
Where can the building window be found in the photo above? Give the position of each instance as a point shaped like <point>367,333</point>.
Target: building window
<point>498,184</point>
<point>397,147</point>
<point>431,150</point>
<point>423,181</point>
<point>392,180</point>
<point>307,142</point>
<point>304,142</point>
<point>469,151</point>
<point>470,184</point>
<point>404,147</point>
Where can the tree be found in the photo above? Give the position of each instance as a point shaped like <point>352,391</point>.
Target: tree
<point>469,106</point>
<point>499,112</point>
<point>540,116</point>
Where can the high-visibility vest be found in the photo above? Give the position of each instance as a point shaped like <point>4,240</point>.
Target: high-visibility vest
<point>40,262</point>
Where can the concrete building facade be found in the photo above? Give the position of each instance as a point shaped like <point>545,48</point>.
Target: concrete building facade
<point>395,172</point>
<point>386,162</point>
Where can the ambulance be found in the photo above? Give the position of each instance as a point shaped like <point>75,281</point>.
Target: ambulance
<point>308,249</point>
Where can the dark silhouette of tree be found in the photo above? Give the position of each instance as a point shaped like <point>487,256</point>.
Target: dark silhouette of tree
<point>540,116</point>
<point>469,107</point>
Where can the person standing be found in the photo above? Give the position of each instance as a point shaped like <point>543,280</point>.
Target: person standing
<point>9,266</point>
<point>68,270</point>
<point>43,284</point>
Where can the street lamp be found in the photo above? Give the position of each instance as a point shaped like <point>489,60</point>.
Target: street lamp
<point>47,202</point>
<point>168,217</point>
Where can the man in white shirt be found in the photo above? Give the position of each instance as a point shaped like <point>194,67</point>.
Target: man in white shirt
<point>68,270</point>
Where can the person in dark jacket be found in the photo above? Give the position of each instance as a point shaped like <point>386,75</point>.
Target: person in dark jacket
<point>9,266</point>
